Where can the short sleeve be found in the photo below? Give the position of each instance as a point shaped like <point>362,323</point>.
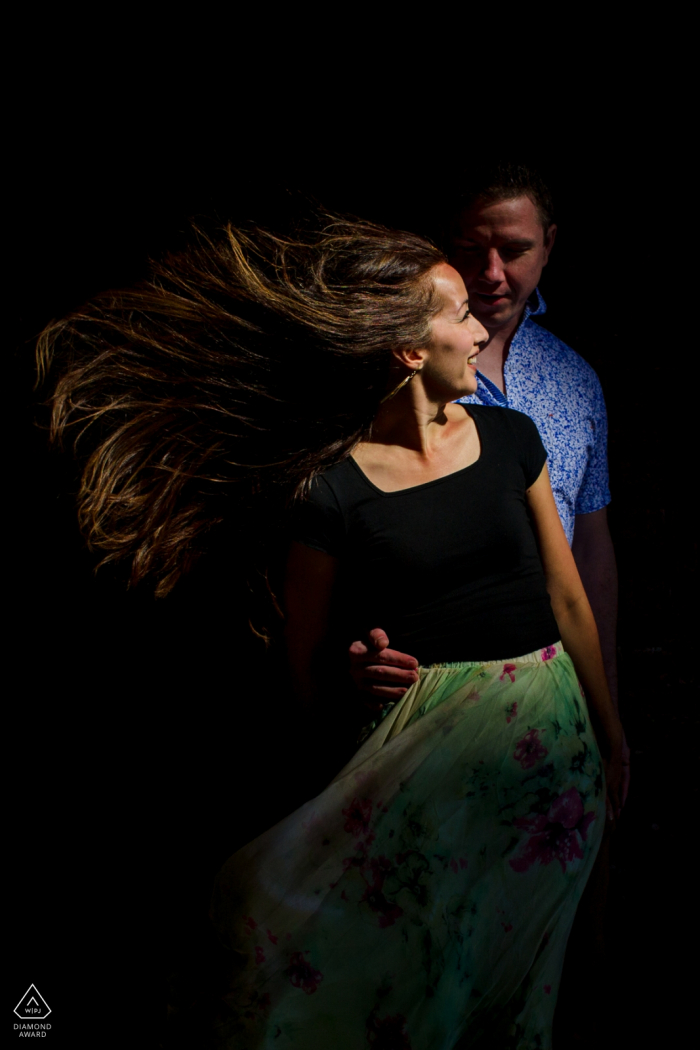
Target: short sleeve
<point>318,522</point>
<point>531,452</point>
<point>594,492</point>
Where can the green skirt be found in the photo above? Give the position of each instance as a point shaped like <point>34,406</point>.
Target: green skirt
<point>423,901</point>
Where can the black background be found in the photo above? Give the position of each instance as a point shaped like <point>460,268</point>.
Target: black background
<point>144,740</point>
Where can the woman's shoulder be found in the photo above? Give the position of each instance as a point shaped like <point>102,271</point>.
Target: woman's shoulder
<point>317,519</point>
<point>333,485</point>
<point>506,420</point>
<point>493,412</point>
<point>337,473</point>
<point>514,435</point>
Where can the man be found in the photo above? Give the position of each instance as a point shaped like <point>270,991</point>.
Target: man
<point>499,237</point>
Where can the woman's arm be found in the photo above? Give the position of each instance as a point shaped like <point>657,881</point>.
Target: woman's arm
<point>308,586</point>
<point>577,625</point>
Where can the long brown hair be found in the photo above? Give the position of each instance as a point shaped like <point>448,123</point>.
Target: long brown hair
<point>226,380</point>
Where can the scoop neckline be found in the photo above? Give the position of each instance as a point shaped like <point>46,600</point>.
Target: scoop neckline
<point>435,481</point>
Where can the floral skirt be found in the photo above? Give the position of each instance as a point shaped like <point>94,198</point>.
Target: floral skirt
<point>423,901</point>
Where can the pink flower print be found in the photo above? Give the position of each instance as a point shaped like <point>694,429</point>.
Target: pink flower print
<point>388,911</point>
<point>567,809</point>
<point>259,956</point>
<point>507,927</point>
<point>557,836</point>
<point>358,814</point>
<point>271,937</point>
<point>511,711</point>
<point>302,974</point>
<point>547,989</point>
<point>549,653</point>
<point>530,749</point>
<point>388,1033</point>
<point>250,923</point>
<point>508,669</point>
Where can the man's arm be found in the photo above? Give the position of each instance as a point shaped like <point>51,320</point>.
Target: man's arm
<point>595,560</point>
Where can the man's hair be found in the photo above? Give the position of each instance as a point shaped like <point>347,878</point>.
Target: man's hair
<point>503,181</point>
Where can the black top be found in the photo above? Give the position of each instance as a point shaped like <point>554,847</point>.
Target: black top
<point>449,569</point>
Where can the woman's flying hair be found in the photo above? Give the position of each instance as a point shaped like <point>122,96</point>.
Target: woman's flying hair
<point>240,368</point>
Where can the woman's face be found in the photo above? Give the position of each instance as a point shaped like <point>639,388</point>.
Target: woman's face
<point>449,369</point>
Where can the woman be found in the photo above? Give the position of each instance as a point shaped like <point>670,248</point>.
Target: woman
<point>425,897</point>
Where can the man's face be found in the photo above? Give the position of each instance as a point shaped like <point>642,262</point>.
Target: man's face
<point>499,251</point>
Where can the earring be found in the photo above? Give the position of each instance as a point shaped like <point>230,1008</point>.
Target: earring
<point>400,386</point>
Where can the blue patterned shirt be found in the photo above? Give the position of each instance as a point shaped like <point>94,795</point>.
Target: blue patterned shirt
<point>548,381</point>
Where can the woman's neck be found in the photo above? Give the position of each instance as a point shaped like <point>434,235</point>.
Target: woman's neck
<point>411,420</point>
<point>417,441</point>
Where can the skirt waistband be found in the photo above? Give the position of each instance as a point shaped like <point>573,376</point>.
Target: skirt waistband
<point>550,652</point>
<point>438,681</point>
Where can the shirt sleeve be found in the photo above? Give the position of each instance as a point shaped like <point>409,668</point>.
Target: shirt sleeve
<point>317,521</point>
<point>594,493</point>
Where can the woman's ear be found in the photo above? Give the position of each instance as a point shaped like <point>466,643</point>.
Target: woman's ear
<point>411,359</point>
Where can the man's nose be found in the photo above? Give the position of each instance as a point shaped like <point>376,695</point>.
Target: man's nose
<point>492,268</point>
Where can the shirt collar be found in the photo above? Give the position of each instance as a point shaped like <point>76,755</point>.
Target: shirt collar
<point>488,392</point>
<point>534,307</point>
